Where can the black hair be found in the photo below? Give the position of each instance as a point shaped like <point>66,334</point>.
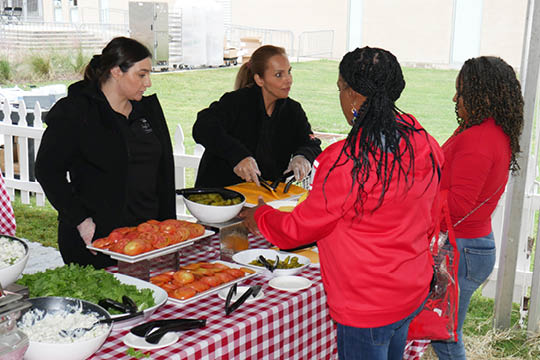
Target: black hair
<point>379,127</point>
<point>489,87</point>
<point>120,51</point>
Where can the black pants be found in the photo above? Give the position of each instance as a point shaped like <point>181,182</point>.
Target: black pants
<point>73,249</point>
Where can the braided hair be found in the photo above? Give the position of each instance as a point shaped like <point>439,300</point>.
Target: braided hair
<point>378,128</point>
<point>488,87</point>
<point>122,52</point>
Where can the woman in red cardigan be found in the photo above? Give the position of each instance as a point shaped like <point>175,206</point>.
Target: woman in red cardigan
<point>489,109</point>
<point>369,210</point>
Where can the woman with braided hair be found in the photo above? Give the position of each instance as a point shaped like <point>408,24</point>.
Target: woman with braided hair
<point>478,157</point>
<point>369,210</point>
<point>114,144</point>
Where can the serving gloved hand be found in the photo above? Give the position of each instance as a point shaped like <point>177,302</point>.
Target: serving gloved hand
<point>247,169</point>
<point>86,230</point>
<point>300,166</point>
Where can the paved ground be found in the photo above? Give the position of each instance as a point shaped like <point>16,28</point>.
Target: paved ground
<point>41,258</point>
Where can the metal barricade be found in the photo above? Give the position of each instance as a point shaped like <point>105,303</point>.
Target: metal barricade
<point>283,38</point>
<point>315,44</point>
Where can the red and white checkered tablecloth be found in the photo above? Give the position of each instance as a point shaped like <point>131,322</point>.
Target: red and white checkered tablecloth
<point>281,325</point>
<point>7,218</point>
<point>415,349</point>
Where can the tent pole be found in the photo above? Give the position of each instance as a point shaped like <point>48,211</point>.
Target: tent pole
<point>519,201</point>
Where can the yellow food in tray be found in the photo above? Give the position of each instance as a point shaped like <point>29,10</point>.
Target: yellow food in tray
<point>311,254</point>
<point>252,192</point>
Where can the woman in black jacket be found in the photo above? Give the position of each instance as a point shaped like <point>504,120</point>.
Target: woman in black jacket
<point>256,129</point>
<point>105,159</point>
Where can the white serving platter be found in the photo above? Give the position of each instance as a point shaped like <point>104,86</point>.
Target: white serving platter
<point>215,288</point>
<point>137,342</point>
<point>283,204</point>
<point>290,283</point>
<point>154,253</point>
<point>160,298</point>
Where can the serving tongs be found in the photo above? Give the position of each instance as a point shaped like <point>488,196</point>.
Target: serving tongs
<point>153,331</point>
<point>126,306</point>
<point>283,179</point>
<point>252,291</point>
<point>267,186</point>
<point>268,265</point>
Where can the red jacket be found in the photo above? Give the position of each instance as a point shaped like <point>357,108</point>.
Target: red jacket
<point>476,167</point>
<point>376,268</point>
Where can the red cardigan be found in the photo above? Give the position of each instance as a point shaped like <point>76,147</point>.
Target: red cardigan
<point>476,164</point>
<point>376,268</point>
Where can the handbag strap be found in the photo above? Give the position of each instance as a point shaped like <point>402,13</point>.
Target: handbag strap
<point>443,212</point>
<point>478,207</point>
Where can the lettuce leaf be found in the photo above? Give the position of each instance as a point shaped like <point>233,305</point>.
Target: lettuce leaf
<point>86,283</point>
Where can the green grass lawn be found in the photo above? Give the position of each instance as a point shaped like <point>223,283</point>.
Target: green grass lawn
<point>428,96</point>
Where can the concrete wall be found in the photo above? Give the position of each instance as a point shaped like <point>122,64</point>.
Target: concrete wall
<point>413,30</point>
<point>296,16</point>
<point>503,27</point>
<point>416,31</point>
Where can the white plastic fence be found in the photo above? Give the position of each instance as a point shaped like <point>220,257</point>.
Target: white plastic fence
<point>24,134</point>
<point>22,181</point>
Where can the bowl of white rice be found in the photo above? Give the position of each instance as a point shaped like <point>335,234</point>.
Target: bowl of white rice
<point>13,258</point>
<point>45,321</point>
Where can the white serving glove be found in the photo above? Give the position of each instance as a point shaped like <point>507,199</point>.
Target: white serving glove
<point>86,230</point>
<point>300,166</point>
<point>248,170</point>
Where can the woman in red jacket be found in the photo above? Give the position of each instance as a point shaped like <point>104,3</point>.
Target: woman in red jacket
<point>369,211</point>
<point>489,109</point>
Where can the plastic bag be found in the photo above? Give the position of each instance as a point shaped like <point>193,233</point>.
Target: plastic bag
<point>438,319</point>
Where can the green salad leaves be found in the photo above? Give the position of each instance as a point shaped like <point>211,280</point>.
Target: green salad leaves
<point>86,283</point>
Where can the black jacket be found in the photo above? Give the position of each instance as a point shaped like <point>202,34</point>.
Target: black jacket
<point>237,126</point>
<point>83,141</point>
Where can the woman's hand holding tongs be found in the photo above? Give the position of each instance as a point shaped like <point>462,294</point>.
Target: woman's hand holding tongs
<point>300,166</point>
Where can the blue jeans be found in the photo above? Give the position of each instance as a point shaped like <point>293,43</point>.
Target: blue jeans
<point>380,343</point>
<point>476,261</point>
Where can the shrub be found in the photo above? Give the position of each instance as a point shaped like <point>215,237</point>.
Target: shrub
<point>41,66</point>
<point>5,71</point>
<point>80,62</point>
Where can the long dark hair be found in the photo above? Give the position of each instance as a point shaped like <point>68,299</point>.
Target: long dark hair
<point>256,65</point>
<point>120,51</point>
<point>489,87</point>
<point>378,127</point>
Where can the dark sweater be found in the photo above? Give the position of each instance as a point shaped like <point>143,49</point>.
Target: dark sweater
<point>237,126</point>
<point>83,140</point>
